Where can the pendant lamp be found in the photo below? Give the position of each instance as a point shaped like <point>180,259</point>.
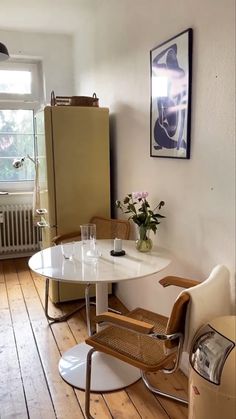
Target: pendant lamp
<point>4,54</point>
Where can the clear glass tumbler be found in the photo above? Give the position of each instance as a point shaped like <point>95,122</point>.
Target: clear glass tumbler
<point>67,249</point>
<point>88,238</point>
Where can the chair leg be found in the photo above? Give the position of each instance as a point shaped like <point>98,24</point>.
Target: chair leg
<point>161,393</point>
<point>112,310</point>
<point>64,317</point>
<point>88,383</point>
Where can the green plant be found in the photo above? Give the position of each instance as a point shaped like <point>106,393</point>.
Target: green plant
<point>137,206</point>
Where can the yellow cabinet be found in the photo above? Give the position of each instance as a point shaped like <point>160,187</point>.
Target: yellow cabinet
<point>74,174</point>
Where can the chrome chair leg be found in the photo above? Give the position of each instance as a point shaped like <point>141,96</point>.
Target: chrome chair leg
<point>161,393</point>
<point>88,383</point>
<point>88,386</point>
<point>64,317</point>
<point>112,310</point>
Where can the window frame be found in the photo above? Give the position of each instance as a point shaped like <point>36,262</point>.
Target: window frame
<point>17,101</point>
<point>32,97</point>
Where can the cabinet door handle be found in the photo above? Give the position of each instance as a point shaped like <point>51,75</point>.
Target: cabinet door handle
<point>42,224</point>
<point>41,211</point>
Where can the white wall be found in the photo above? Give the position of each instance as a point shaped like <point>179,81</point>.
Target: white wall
<point>55,51</point>
<point>112,46</point>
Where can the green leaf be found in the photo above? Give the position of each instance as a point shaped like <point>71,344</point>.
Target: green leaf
<point>132,207</point>
<point>143,216</point>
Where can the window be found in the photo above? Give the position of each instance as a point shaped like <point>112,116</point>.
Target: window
<point>15,81</point>
<point>19,99</point>
<point>20,82</point>
<point>16,140</point>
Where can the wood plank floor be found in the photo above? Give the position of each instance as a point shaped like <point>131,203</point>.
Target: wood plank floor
<point>30,349</point>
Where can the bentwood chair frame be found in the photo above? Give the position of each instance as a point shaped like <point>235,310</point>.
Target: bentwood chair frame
<point>106,228</point>
<point>153,342</point>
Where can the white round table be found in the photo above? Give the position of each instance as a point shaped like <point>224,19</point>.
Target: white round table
<point>108,373</point>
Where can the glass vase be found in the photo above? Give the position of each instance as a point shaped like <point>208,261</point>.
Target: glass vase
<point>144,243</point>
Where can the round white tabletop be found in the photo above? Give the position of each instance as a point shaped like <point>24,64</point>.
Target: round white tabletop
<point>108,374</point>
<point>106,268</point>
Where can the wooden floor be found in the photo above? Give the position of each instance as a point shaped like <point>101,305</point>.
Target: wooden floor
<point>30,384</point>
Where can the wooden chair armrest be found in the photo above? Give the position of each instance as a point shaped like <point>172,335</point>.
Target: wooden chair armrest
<point>124,321</point>
<point>66,237</point>
<point>178,282</point>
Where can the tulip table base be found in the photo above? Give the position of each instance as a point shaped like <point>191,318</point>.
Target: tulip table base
<point>108,373</point>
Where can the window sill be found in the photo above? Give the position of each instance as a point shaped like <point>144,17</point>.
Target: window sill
<point>16,198</point>
<point>15,193</point>
<point>20,187</point>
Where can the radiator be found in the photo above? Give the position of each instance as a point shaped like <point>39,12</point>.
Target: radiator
<point>18,235</point>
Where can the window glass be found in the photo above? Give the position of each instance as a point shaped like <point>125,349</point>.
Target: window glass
<point>16,141</point>
<point>21,94</point>
<point>15,81</point>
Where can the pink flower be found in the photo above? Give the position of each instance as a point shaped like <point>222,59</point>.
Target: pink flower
<point>139,195</point>
<point>136,195</point>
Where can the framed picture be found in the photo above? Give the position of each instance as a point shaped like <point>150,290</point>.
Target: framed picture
<point>171,73</point>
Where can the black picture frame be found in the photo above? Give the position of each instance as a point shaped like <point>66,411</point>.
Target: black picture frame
<point>170,107</point>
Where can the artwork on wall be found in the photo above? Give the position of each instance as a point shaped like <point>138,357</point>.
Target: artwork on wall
<point>171,71</point>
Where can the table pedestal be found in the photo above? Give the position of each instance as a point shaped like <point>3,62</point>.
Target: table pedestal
<point>108,373</point>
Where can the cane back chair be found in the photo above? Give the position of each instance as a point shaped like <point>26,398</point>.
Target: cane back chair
<point>152,342</point>
<point>106,228</point>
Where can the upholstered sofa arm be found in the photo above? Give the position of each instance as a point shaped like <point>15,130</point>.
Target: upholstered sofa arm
<point>178,282</point>
<point>125,322</point>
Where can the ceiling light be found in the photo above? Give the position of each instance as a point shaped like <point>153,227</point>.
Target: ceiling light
<point>4,54</point>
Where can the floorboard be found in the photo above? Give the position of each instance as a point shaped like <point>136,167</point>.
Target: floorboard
<point>30,349</point>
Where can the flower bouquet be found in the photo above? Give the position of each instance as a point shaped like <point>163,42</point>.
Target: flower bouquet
<point>137,206</point>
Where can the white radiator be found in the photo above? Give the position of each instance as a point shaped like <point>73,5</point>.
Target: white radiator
<point>18,235</point>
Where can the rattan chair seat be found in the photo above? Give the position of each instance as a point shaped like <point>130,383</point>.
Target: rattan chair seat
<point>159,321</point>
<point>139,350</point>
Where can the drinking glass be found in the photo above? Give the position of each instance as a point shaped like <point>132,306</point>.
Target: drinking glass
<point>88,238</point>
<point>67,249</point>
